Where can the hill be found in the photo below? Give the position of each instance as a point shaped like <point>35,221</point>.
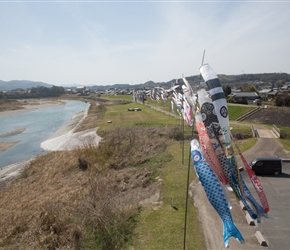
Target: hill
<point>234,80</point>
<point>21,84</point>
<point>278,116</point>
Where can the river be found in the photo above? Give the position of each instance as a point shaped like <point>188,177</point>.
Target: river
<point>39,125</point>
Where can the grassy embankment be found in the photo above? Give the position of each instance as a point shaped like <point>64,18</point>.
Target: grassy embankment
<point>54,205</point>
<point>162,228</point>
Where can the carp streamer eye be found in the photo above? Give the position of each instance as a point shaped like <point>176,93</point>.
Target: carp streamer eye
<point>224,111</point>
<point>196,157</point>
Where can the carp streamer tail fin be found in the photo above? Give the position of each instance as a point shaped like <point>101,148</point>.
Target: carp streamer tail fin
<point>230,230</point>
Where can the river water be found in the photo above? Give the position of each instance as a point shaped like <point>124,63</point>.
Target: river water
<point>39,125</point>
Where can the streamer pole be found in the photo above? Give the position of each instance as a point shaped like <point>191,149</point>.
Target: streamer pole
<point>203,57</point>
<point>187,189</point>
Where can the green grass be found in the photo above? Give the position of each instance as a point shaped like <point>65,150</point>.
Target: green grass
<point>285,132</point>
<point>166,106</point>
<point>237,111</point>
<point>162,227</point>
<point>128,98</point>
<point>120,116</point>
<point>241,128</point>
<point>285,144</point>
<point>246,144</point>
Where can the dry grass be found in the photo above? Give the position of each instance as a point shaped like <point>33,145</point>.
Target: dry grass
<point>54,205</point>
<point>95,115</point>
<point>37,207</point>
<point>10,105</point>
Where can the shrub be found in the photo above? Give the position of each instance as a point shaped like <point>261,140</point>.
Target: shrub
<point>109,225</point>
<point>284,134</point>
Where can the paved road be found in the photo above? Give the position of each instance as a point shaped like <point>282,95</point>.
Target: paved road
<point>265,133</point>
<point>275,229</point>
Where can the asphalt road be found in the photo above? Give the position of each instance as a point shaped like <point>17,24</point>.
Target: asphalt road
<point>275,229</point>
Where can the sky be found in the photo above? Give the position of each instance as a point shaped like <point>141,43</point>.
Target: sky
<point>132,42</point>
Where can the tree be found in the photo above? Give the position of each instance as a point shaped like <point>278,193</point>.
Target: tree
<point>249,88</point>
<point>280,83</point>
<point>41,91</point>
<point>2,97</point>
<point>227,90</point>
<point>282,100</point>
<point>252,88</point>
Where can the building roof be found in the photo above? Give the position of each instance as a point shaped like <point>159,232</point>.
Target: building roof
<point>245,94</point>
<point>265,91</point>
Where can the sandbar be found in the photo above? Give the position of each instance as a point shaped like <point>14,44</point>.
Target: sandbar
<point>5,145</point>
<point>31,104</point>
<point>66,139</point>
<point>13,132</point>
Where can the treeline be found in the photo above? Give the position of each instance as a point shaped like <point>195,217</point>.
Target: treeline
<point>36,92</point>
<point>282,100</point>
<point>41,91</point>
<point>246,78</point>
<point>2,98</point>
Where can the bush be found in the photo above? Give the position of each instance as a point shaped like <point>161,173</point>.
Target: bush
<point>108,224</point>
<point>129,147</point>
<point>282,100</point>
<point>284,134</point>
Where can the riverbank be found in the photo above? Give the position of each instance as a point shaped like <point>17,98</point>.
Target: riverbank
<point>9,172</point>
<point>25,105</point>
<point>64,139</point>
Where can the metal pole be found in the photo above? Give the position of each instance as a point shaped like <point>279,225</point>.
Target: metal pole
<point>182,141</point>
<point>187,188</point>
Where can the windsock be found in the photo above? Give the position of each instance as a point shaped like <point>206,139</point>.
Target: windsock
<point>221,110</point>
<point>187,112</point>
<point>208,150</point>
<point>256,183</point>
<point>215,193</point>
<point>172,106</point>
<point>214,131</point>
<point>220,105</point>
<point>190,93</point>
<point>218,98</point>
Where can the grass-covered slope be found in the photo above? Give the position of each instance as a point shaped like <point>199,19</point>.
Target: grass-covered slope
<point>123,200</point>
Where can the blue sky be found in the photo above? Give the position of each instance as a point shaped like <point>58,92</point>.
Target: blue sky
<point>108,42</point>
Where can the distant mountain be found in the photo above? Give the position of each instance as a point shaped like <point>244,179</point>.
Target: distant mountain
<point>195,80</point>
<point>233,80</point>
<point>149,84</point>
<point>21,84</point>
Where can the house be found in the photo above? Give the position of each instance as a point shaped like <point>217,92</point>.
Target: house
<point>81,89</point>
<point>245,97</point>
<point>268,94</point>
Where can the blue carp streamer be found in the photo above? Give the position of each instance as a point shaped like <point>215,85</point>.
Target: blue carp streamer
<point>215,193</point>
